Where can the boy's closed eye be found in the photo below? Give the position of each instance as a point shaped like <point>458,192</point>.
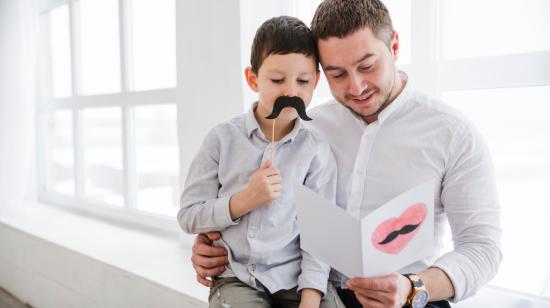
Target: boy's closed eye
<point>280,81</point>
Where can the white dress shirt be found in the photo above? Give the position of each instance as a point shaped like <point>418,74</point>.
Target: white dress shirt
<point>263,245</point>
<point>415,139</point>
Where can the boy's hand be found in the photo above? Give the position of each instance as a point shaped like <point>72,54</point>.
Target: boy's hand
<point>264,186</point>
<point>310,298</point>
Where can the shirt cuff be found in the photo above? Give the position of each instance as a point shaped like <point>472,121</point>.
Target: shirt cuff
<point>449,264</point>
<point>222,215</point>
<point>313,280</point>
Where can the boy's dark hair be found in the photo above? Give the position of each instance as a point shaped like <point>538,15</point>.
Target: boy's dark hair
<point>282,35</point>
<point>342,17</point>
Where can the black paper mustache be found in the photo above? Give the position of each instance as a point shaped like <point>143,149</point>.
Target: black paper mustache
<point>287,101</point>
<point>393,235</point>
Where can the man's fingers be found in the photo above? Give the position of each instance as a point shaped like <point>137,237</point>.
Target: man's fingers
<point>209,272</point>
<point>378,284</point>
<point>209,262</point>
<point>388,299</point>
<point>202,239</point>
<point>205,282</point>
<point>213,236</point>
<point>367,301</point>
<point>208,251</point>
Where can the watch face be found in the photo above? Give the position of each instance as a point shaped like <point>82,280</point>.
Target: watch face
<point>420,299</point>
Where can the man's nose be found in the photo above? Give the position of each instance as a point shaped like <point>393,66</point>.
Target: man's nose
<point>356,87</point>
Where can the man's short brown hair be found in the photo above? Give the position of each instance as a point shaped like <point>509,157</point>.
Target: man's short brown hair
<point>342,17</point>
<point>281,35</point>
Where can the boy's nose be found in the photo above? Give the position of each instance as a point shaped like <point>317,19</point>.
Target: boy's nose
<point>290,91</point>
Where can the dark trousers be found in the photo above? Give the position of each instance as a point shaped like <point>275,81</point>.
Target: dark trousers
<point>350,301</point>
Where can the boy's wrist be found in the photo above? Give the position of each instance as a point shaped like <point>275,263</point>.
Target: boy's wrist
<point>310,297</point>
<point>239,204</point>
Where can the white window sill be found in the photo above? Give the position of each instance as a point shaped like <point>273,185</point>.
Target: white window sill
<point>163,259</point>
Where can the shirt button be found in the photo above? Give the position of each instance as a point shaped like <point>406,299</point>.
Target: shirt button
<point>251,235</point>
<point>252,267</point>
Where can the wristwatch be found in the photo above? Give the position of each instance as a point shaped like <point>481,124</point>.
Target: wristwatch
<point>418,298</point>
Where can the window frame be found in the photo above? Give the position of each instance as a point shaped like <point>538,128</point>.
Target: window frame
<point>126,100</point>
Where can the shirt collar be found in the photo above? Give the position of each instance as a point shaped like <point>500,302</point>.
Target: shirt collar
<point>252,126</point>
<point>398,101</point>
<point>251,123</point>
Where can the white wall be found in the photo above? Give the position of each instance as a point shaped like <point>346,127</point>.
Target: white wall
<point>16,101</point>
<point>253,14</point>
<point>209,70</point>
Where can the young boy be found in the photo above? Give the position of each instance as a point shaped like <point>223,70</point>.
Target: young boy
<point>234,187</point>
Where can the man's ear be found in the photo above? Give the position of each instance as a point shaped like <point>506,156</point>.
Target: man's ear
<point>394,47</point>
<point>251,78</point>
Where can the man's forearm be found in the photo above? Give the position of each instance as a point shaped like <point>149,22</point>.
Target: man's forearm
<point>438,284</point>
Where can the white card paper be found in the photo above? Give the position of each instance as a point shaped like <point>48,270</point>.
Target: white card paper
<point>394,235</point>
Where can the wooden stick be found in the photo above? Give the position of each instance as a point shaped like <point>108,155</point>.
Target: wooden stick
<point>273,143</point>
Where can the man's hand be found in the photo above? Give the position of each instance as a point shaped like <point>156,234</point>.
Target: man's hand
<point>208,260</point>
<point>389,291</point>
<point>264,186</point>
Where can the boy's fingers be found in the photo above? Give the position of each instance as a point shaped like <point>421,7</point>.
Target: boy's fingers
<point>271,172</point>
<point>277,187</point>
<point>275,179</point>
<point>276,194</point>
<point>267,164</point>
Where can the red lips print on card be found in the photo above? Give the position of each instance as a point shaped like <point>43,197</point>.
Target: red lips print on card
<point>392,235</point>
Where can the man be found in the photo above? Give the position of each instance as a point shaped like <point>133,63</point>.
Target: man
<point>388,138</point>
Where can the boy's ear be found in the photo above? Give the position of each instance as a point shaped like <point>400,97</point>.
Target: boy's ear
<point>251,78</point>
<point>317,76</point>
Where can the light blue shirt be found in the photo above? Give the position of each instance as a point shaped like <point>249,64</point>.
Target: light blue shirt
<point>263,245</point>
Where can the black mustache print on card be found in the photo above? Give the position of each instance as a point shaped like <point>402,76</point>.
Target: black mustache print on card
<point>392,236</point>
<point>287,101</point>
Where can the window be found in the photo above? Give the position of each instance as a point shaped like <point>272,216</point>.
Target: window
<point>490,60</point>
<point>59,154</point>
<point>107,113</point>
<point>495,72</point>
<point>521,155</point>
